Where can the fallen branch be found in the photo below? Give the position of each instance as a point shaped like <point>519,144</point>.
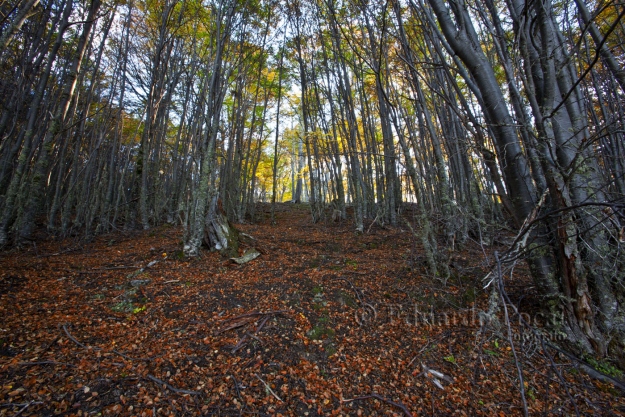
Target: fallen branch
<point>268,388</point>
<point>254,337</point>
<point>236,325</point>
<point>12,405</point>
<point>244,319</point>
<point>73,339</point>
<point>46,363</point>
<point>26,406</point>
<point>236,387</point>
<point>171,388</point>
<point>262,323</point>
<point>386,400</point>
<point>354,288</point>
<point>240,344</point>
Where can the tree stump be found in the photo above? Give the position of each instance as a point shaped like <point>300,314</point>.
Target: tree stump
<point>219,234</point>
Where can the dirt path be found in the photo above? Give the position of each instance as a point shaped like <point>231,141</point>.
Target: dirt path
<point>325,322</point>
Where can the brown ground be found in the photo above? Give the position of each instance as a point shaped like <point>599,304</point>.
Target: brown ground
<point>324,318</point>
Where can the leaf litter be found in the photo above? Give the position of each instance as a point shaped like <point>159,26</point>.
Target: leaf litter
<point>324,322</point>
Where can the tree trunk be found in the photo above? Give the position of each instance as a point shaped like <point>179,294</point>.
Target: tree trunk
<point>17,23</point>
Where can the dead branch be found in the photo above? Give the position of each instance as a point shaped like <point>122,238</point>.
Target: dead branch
<point>26,406</point>
<point>254,337</point>
<point>73,339</point>
<point>240,344</point>
<point>268,388</point>
<point>236,325</point>
<point>262,323</point>
<point>236,387</point>
<point>171,388</point>
<point>386,400</point>
<point>354,288</point>
<point>248,318</point>
<point>49,345</point>
<point>46,363</point>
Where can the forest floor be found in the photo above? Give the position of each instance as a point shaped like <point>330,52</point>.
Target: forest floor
<point>324,322</point>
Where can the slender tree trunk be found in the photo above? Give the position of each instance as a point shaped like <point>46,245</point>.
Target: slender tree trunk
<point>17,23</point>
<point>276,139</point>
<point>41,167</point>
<point>9,208</point>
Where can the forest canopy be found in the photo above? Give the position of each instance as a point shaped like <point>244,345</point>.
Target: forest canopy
<point>485,115</point>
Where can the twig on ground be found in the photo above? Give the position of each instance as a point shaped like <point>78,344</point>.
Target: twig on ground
<point>254,337</point>
<point>26,406</point>
<point>49,345</point>
<point>354,288</point>
<point>236,325</point>
<point>73,339</point>
<point>386,400</point>
<point>240,344</point>
<point>170,387</point>
<point>236,387</point>
<point>247,318</point>
<point>13,405</point>
<point>260,326</point>
<point>45,363</point>
<point>268,388</point>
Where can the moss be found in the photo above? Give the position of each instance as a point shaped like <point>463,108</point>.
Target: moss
<point>346,299</point>
<point>320,332</point>
<point>351,263</point>
<point>123,307</point>
<point>232,236</point>
<point>469,296</point>
<point>604,367</point>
